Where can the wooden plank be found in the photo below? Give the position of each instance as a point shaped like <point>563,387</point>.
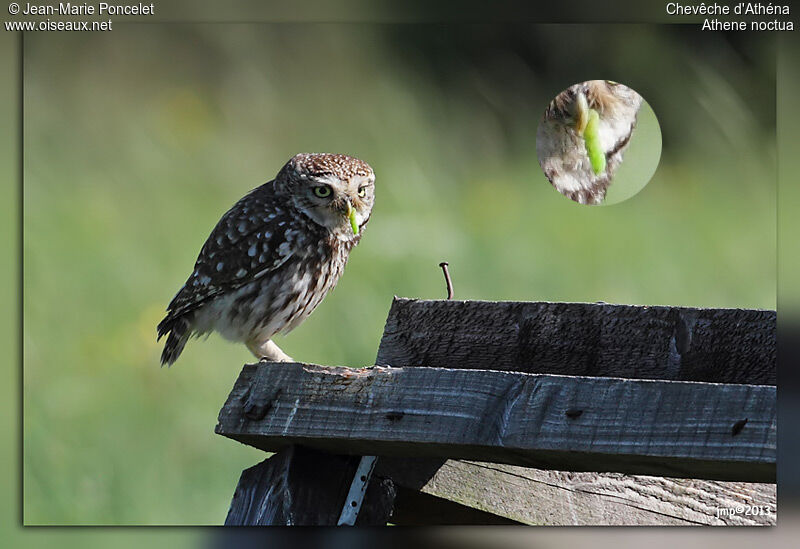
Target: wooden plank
<point>300,486</point>
<point>586,339</point>
<point>534,496</point>
<point>432,333</point>
<point>677,429</point>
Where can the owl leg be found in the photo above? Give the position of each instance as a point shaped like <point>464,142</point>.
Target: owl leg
<point>268,352</point>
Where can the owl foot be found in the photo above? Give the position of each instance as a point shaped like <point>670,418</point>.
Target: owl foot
<point>269,352</point>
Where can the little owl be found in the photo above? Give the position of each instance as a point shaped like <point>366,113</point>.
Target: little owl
<point>273,256</point>
<point>579,155</point>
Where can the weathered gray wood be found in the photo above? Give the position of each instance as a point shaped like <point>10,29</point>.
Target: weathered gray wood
<point>677,429</point>
<point>534,496</point>
<point>301,486</point>
<point>588,339</point>
<point>495,335</point>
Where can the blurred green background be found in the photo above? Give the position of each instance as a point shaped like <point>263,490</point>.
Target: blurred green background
<point>136,141</point>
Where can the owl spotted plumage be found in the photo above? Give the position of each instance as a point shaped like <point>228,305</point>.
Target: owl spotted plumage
<point>273,256</point>
<point>582,166</point>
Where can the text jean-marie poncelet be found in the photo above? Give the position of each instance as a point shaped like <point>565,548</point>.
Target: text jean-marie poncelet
<point>102,8</point>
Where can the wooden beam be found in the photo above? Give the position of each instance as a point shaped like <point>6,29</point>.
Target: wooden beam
<point>479,333</point>
<point>677,429</point>
<point>534,496</point>
<point>304,487</point>
<point>586,339</point>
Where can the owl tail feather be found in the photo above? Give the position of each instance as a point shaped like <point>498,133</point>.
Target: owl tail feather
<point>179,330</point>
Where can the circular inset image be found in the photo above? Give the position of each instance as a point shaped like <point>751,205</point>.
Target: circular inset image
<point>598,142</point>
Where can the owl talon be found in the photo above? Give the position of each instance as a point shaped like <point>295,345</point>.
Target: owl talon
<point>269,352</point>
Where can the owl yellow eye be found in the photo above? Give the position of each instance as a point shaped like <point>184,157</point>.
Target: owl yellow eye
<point>322,191</point>
<point>362,191</point>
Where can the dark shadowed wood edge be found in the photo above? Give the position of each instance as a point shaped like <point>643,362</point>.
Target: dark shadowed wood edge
<point>675,429</point>
<point>587,339</point>
<point>300,486</point>
<point>561,498</point>
<point>418,508</point>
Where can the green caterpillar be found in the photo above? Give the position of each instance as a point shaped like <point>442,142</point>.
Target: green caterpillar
<point>591,138</point>
<point>353,223</point>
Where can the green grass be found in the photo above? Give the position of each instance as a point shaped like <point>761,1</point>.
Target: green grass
<point>137,143</point>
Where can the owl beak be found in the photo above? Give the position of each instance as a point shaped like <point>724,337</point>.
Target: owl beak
<point>351,215</point>
<point>581,113</point>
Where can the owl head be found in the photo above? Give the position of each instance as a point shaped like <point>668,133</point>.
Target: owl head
<point>335,190</point>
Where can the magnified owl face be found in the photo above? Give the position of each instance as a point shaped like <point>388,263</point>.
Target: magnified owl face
<point>583,136</point>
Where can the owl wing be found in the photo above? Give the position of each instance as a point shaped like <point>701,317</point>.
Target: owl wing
<point>248,242</point>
